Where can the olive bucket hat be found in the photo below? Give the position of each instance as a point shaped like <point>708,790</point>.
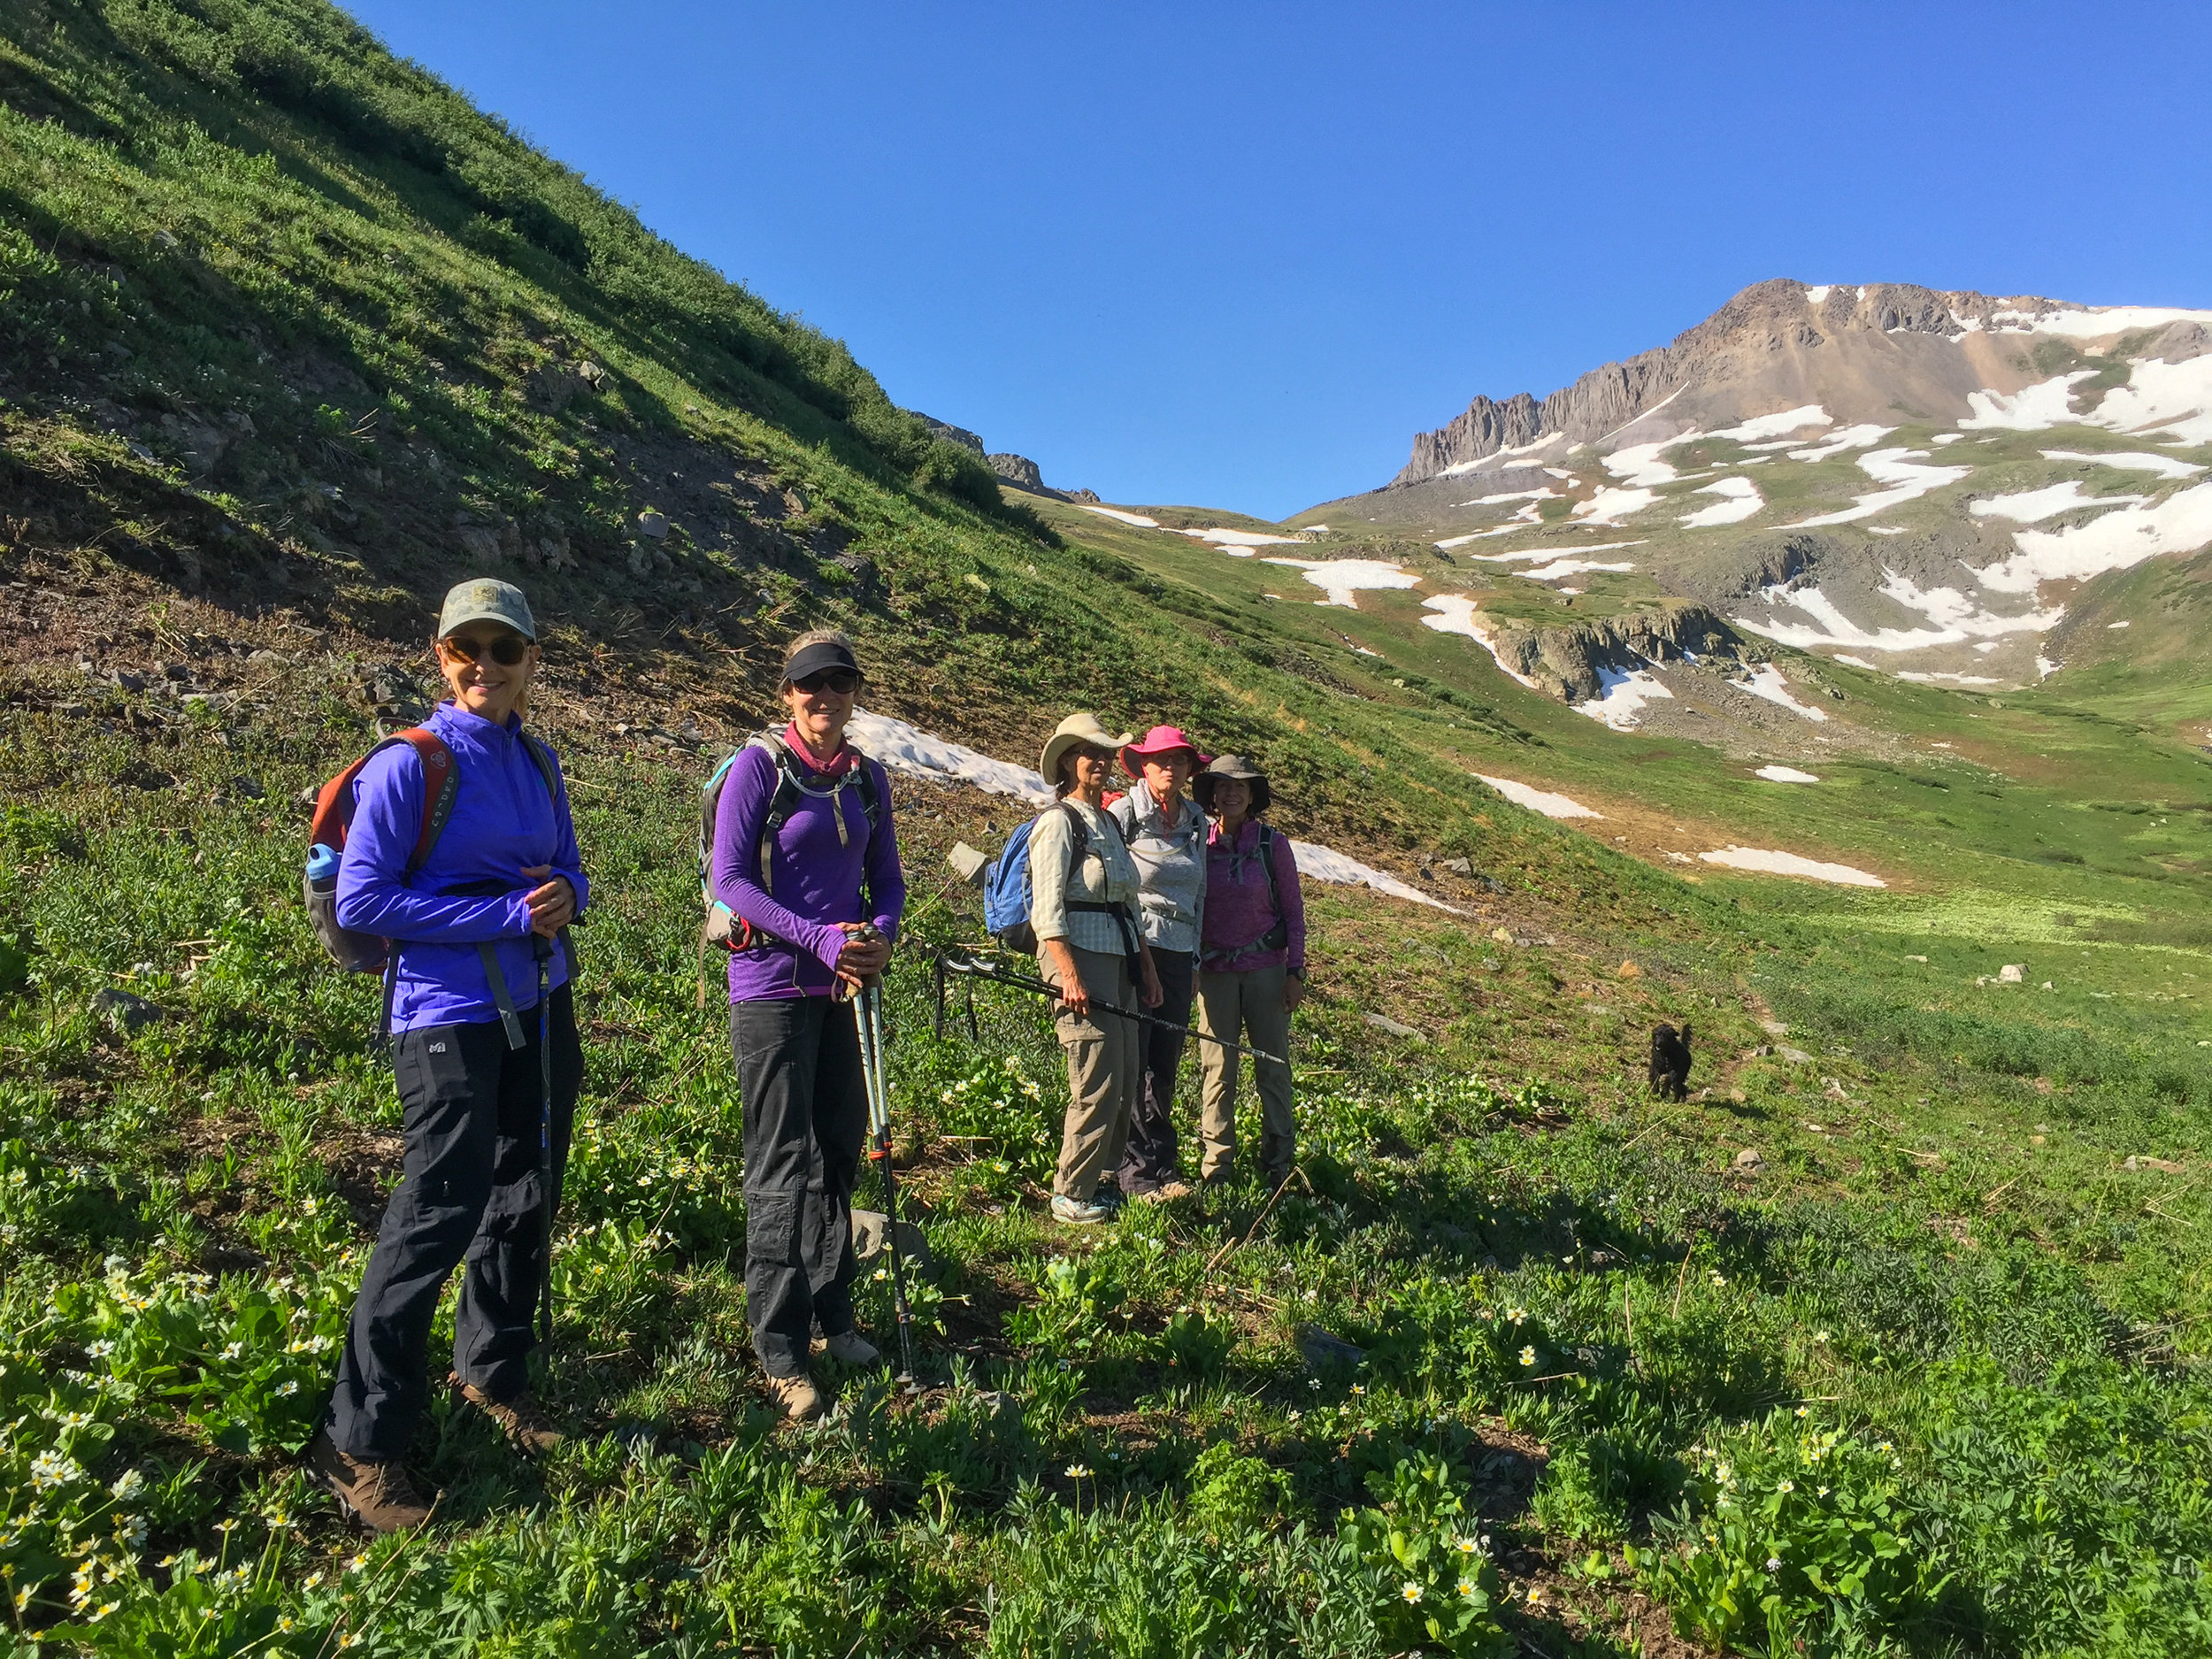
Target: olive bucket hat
<point>1233,766</point>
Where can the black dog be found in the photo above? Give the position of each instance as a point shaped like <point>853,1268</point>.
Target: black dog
<point>1670,1063</point>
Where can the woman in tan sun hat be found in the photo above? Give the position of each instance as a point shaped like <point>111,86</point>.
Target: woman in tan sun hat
<point>1084,885</point>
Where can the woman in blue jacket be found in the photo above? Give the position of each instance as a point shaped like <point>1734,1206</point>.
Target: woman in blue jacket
<point>466,930</point>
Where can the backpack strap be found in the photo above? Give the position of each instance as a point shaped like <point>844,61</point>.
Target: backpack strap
<point>440,786</point>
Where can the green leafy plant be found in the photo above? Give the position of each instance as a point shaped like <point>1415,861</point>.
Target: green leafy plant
<point>1432,1579</point>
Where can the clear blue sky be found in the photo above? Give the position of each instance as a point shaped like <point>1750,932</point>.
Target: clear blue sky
<point>1237,254</point>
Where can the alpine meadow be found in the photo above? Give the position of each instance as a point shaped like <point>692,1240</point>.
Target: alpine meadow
<point>1890,1337</point>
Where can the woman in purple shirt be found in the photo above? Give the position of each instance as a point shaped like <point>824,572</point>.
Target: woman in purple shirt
<point>503,879</point>
<point>806,862</point>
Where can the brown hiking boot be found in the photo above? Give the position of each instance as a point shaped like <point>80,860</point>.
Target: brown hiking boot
<point>521,1419</point>
<point>377,1495</point>
<point>800,1401</point>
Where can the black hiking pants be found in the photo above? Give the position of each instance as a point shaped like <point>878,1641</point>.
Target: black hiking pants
<point>1148,1161</point>
<point>806,1110</point>
<point>469,1192</point>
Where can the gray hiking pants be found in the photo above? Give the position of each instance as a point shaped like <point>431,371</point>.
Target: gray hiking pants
<point>806,1112</point>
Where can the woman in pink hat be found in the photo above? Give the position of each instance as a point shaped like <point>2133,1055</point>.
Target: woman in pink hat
<point>1166,832</point>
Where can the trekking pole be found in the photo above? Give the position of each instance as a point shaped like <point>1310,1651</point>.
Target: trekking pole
<point>869,1012</point>
<point>541,947</point>
<point>983,971</point>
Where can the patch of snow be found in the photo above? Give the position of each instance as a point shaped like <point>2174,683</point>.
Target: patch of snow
<point>2094,322</point>
<point>1516,494</point>
<point>1785,774</point>
<point>1908,481</point>
<point>1815,296</point>
<point>1780,864</point>
<point>1775,426</point>
<point>2030,409</point>
<point>1556,806</point>
<point>1342,579</point>
<point>1610,505</point>
<point>1315,529</point>
<point>1620,702</point>
<point>1837,442</point>
<point>1558,472</point>
<point>1885,529</point>
<point>2173,397</point>
<point>1499,457</point>
<point>2032,506</point>
<point>1947,679</point>
<point>1559,570</point>
<point>2182,523</point>
<point>1946,437</point>
<point>1322,864</point>
<point>903,748</point>
<point>2131,461</point>
<point>2044,667</point>
<point>1548,552</point>
<point>2116,625</point>
<point>1639,464</point>
<point>1740,499</point>
<point>1766,680</point>
<point>1226,538</point>
<point>1137,518</point>
<point>1855,662</point>
<point>1956,620</point>
<point>1456,614</point>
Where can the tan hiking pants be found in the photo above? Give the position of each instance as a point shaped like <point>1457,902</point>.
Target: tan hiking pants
<point>1245,1007</point>
<point>1105,1070</point>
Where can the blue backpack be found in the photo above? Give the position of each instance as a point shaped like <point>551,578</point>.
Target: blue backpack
<point>1006,893</point>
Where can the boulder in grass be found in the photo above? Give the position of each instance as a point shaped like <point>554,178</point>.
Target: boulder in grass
<point>128,1013</point>
<point>1324,1353</point>
<point>872,1230</point>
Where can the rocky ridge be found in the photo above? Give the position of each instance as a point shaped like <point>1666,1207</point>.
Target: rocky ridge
<point>1863,352</point>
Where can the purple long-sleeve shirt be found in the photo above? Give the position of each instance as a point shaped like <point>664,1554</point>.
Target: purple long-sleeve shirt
<point>815,876</point>
<point>1239,908</point>
<point>504,819</point>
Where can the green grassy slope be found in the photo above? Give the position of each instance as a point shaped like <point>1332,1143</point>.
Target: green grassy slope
<point>1878,1340</point>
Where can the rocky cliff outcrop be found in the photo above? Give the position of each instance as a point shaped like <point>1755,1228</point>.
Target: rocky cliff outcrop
<point>951,433</point>
<point>1566,661</point>
<point>1023,474</point>
<point>1862,353</point>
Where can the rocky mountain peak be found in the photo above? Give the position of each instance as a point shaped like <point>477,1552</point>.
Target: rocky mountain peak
<point>1862,351</point>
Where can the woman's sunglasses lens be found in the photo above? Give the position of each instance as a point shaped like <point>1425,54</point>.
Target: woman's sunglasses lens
<point>837,679</point>
<point>507,649</point>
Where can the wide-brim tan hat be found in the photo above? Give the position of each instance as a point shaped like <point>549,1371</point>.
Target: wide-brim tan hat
<point>1075,730</point>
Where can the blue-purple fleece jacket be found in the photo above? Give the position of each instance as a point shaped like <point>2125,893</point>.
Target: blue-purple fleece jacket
<point>504,819</point>
<point>815,879</point>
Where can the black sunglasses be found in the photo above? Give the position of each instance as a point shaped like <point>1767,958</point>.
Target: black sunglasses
<point>843,681</point>
<point>506,649</point>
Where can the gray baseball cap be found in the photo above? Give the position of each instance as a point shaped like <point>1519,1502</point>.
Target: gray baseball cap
<point>484,599</point>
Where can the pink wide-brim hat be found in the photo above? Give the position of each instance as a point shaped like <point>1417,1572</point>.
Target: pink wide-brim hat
<point>1161,739</point>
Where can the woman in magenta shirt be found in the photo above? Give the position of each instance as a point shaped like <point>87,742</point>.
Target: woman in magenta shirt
<point>815,902</point>
<point>1251,965</point>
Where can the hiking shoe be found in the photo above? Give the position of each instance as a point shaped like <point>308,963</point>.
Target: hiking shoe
<point>521,1419</point>
<point>371,1492</point>
<point>1166,1191</point>
<point>800,1401</point>
<point>850,1348</point>
<point>1076,1213</point>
